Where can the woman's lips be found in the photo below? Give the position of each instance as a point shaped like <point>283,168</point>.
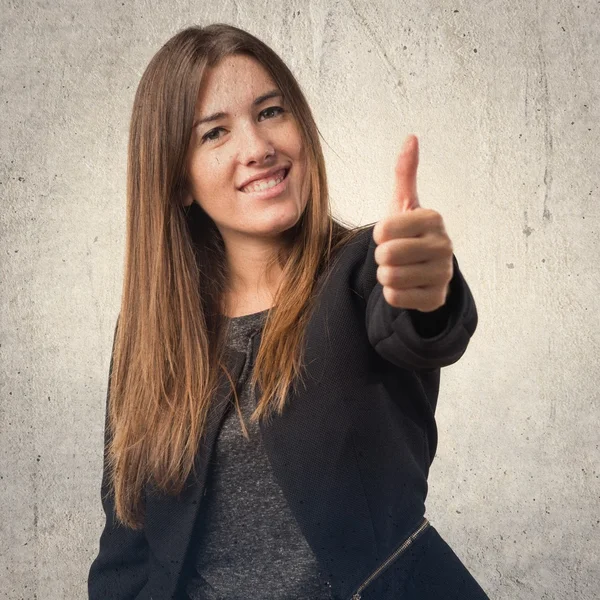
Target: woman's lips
<point>271,192</point>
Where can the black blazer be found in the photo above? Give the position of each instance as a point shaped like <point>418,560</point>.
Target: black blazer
<point>351,451</point>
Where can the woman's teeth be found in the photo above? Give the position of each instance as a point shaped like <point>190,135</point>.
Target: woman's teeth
<point>264,184</point>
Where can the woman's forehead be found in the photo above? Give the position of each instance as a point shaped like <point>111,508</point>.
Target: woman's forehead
<point>235,83</point>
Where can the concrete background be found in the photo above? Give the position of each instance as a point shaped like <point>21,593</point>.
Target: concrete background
<point>504,98</point>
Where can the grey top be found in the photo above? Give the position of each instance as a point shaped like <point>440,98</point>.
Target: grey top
<point>246,540</point>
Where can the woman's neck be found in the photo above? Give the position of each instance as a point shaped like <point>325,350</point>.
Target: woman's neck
<point>239,305</point>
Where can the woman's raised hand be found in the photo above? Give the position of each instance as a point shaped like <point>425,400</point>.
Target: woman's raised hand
<point>414,252</point>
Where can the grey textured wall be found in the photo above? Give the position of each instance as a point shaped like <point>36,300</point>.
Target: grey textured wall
<point>504,98</point>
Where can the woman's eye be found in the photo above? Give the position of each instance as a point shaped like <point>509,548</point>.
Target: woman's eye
<point>276,108</point>
<point>207,136</point>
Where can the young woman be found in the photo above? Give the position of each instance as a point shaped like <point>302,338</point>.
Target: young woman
<point>274,374</point>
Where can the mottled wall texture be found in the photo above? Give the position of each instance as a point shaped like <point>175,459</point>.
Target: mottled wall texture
<point>504,98</point>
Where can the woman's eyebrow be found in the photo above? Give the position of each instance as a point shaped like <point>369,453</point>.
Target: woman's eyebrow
<point>219,115</point>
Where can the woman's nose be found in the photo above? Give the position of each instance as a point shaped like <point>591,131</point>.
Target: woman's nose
<point>255,144</point>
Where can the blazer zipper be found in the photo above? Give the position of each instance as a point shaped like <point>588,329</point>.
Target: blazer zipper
<point>411,538</point>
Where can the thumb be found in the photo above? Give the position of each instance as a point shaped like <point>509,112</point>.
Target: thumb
<point>406,176</point>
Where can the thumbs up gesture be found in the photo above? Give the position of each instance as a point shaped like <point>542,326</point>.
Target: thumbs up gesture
<point>414,252</point>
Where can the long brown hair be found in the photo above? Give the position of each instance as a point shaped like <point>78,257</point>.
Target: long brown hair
<point>168,347</point>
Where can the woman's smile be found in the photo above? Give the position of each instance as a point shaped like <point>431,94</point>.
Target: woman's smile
<point>270,187</point>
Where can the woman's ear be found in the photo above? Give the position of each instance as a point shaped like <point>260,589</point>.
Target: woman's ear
<point>187,199</point>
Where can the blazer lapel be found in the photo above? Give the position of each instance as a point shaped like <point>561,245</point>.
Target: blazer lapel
<point>312,456</point>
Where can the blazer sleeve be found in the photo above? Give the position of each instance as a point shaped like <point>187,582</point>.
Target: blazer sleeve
<point>120,569</point>
<point>413,339</point>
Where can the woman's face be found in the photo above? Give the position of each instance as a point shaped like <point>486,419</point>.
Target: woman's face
<point>248,140</point>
